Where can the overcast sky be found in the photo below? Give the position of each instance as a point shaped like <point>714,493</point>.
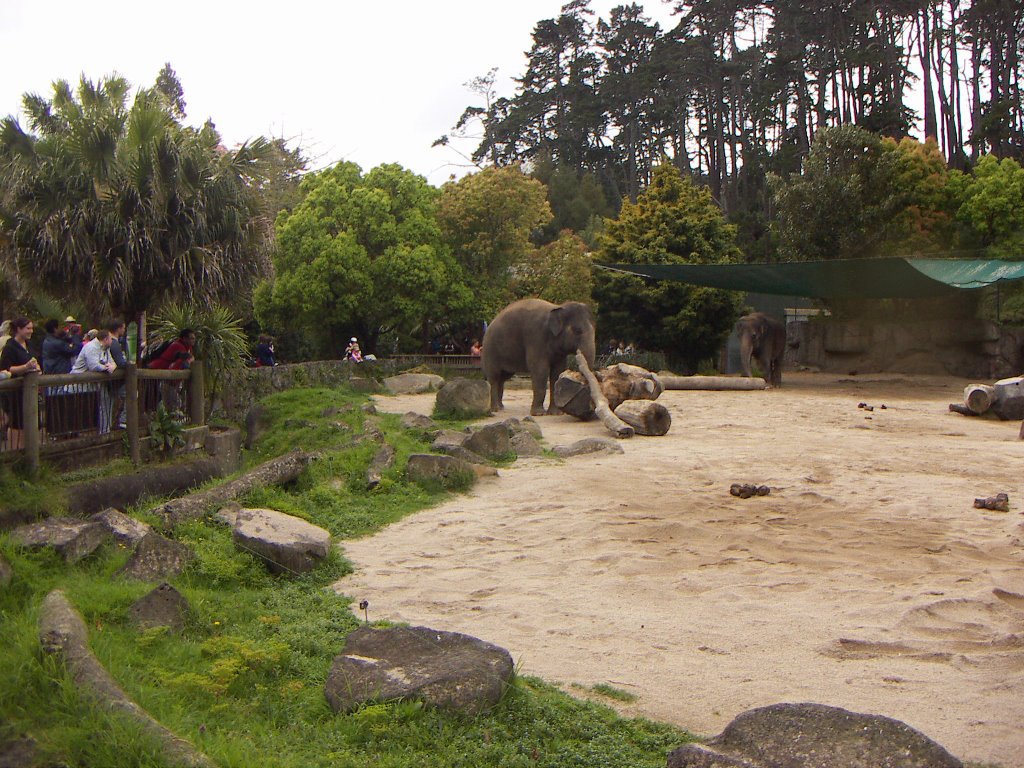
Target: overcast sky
<point>371,82</point>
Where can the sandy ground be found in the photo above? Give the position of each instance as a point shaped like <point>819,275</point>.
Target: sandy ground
<point>865,580</point>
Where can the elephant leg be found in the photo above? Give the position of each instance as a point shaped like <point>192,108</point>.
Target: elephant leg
<point>497,393</point>
<point>746,352</point>
<point>539,376</point>
<point>764,362</point>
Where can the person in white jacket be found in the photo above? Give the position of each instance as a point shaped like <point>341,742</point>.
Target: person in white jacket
<point>95,358</point>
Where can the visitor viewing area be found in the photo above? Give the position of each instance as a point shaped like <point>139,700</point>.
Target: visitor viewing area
<point>885,278</point>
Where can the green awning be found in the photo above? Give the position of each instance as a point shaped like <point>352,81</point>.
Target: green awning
<point>887,278</point>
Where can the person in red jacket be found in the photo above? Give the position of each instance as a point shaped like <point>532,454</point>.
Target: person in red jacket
<point>178,356</point>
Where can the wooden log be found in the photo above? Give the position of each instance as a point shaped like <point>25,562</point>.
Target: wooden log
<point>615,425</point>
<point>979,397</point>
<point>572,395</point>
<point>739,383</point>
<point>274,472</point>
<point>646,417</point>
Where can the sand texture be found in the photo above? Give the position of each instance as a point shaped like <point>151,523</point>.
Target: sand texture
<point>865,579</point>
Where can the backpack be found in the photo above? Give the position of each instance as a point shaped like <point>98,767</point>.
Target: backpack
<point>152,352</point>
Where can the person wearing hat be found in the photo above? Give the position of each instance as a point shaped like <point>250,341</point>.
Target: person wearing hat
<point>73,331</point>
<point>352,351</point>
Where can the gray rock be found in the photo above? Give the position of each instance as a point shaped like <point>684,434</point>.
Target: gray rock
<point>814,736</point>
<point>491,441</point>
<point>285,543</point>
<point>156,558</point>
<point>125,529</point>
<point>369,408</point>
<point>412,383</point>
<point>463,398</point>
<point>524,444</point>
<point>256,421</point>
<point>588,445</point>
<point>449,438</point>
<point>382,460</point>
<point>464,454</point>
<point>527,425</point>
<point>451,671</point>
<point>164,606</point>
<point>428,467</point>
<point>73,539</point>
<point>530,425</point>
<point>6,573</point>
<point>413,420</point>
<point>336,411</point>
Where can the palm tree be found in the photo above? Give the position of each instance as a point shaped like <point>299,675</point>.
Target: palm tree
<point>124,207</point>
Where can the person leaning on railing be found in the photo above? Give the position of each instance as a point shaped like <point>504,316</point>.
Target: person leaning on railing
<point>16,360</point>
<point>95,358</point>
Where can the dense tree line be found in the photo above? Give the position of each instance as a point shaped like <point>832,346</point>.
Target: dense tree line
<point>739,89</point>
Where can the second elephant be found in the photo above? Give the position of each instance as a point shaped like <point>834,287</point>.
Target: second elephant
<point>763,338</point>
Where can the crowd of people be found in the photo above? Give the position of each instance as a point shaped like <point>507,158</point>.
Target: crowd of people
<point>65,349</point>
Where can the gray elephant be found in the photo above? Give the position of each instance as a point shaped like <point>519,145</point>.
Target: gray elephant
<point>764,338</point>
<point>535,336</point>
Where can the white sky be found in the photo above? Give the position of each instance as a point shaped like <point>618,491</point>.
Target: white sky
<point>370,82</point>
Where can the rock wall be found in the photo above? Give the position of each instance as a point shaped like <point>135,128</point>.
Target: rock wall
<point>958,347</point>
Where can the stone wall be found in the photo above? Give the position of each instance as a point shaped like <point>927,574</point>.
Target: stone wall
<point>969,348</point>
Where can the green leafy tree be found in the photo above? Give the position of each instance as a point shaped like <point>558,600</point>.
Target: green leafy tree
<point>577,200</point>
<point>672,222</point>
<point>488,218</point>
<point>361,255</point>
<point>990,207</point>
<point>557,272</point>
<point>112,201</point>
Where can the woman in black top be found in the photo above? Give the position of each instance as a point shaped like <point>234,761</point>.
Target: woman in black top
<point>17,360</point>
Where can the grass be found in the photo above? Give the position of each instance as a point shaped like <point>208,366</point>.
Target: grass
<point>244,680</point>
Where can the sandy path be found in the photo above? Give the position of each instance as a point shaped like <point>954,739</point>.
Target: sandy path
<point>866,580</point>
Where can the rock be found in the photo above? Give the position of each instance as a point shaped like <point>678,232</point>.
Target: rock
<point>814,736</point>
<point>490,441</point>
<point>412,383</point>
<point>413,420</point>
<point>369,408</point>
<point>382,460</point>
<point>431,468</point>
<point>530,425</point>
<point>228,513</point>
<point>125,529</point>
<point>463,399</point>
<point>256,421</point>
<point>524,444</point>
<point>463,454</point>
<point>588,445</point>
<point>449,438</point>
<point>646,417</point>
<point>156,558</point>
<point>451,671</point>
<point>73,539</point>
<point>285,543</point>
<point>336,411</point>
<point>163,607</point>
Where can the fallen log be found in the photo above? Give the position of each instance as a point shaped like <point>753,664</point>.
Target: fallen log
<point>1003,399</point>
<point>277,471</point>
<point>646,417</point>
<point>62,633</point>
<point>979,397</point>
<point>615,425</point>
<point>740,383</point>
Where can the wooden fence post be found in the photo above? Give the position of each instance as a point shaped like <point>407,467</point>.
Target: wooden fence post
<point>30,419</point>
<point>131,411</point>
<point>196,386</point>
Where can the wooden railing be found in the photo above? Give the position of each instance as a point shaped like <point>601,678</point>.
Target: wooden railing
<point>38,411</point>
<point>455,362</point>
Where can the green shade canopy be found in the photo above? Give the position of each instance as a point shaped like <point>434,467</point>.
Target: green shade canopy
<point>888,278</point>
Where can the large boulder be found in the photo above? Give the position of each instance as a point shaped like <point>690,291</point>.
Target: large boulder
<point>463,399</point>
<point>417,421</point>
<point>525,444</point>
<point>382,461</point>
<point>164,606</point>
<point>446,471</point>
<point>156,558</point>
<point>285,543</point>
<point>814,736</point>
<point>72,539</point>
<point>125,529</point>
<point>412,383</point>
<point>490,441</point>
<point>448,670</point>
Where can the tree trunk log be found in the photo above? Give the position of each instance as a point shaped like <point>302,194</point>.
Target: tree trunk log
<point>274,472</point>
<point>713,382</point>
<point>979,397</point>
<point>572,395</point>
<point>646,417</point>
<point>615,425</point>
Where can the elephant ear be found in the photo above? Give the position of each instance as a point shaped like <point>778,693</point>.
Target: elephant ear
<point>556,321</point>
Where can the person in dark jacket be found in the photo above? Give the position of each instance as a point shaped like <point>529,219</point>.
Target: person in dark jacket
<point>59,352</point>
<point>16,359</point>
<point>265,351</point>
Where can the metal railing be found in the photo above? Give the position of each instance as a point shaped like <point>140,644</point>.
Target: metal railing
<point>39,412</point>
<point>460,362</point>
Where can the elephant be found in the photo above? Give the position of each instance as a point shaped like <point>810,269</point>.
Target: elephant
<point>764,338</point>
<point>534,336</point>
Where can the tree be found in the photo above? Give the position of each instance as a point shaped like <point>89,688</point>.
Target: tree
<point>557,272</point>
<point>487,218</point>
<point>362,255</point>
<point>115,202</point>
<point>673,222</point>
<point>990,207</point>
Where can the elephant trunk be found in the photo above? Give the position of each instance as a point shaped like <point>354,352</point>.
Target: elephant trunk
<point>589,349</point>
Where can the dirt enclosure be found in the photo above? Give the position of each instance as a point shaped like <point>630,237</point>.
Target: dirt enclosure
<point>865,579</point>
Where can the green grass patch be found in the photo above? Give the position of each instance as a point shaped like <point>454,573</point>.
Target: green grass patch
<point>612,692</point>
